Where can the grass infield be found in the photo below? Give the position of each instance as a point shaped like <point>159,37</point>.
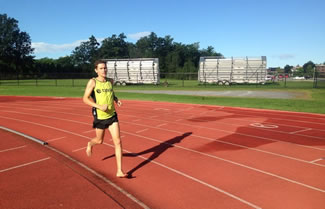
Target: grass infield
<point>314,102</point>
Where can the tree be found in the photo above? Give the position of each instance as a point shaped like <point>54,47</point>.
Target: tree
<point>15,46</point>
<point>114,47</point>
<point>287,69</point>
<point>210,52</point>
<point>86,53</point>
<point>308,69</point>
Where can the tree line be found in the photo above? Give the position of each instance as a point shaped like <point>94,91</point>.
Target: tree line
<point>16,53</point>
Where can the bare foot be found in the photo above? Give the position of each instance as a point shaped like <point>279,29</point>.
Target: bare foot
<point>89,149</point>
<point>121,175</point>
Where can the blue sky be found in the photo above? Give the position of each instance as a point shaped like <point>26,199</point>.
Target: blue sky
<point>287,31</point>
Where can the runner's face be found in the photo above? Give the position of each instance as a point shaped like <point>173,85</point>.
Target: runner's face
<point>101,70</point>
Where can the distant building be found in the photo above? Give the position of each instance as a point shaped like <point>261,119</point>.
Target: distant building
<point>272,70</point>
<point>320,68</point>
<point>294,69</point>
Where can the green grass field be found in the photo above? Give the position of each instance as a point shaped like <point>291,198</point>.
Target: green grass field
<point>313,102</point>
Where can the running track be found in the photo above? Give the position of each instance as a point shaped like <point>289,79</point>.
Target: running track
<point>180,155</point>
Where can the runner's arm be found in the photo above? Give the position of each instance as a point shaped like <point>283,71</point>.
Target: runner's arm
<point>116,100</point>
<point>88,100</point>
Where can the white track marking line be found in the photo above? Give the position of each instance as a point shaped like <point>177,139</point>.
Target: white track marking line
<point>294,132</point>
<point>163,124</point>
<point>292,158</point>
<point>205,154</point>
<point>25,164</point>
<point>193,179</point>
<point>142,130</point>
<point>203,183</point>
<point>85,167</point>
<point>76,150</point>
<point>235,163</point>
<point>165,109</point>
<point>14,148</point>
<point>320,159</point>
<point>257,137</point>
<point>55,139</point>
<point>171,169</point>
<point>261,125</point>
<point>237,111</point>
<point>102,177</point>
<point>92,130</point>
<point>224,141</point>
<point>241,146</point>
<point>275,125</point>
<point>272,130</point>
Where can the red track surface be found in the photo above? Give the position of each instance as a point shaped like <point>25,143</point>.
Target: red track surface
<point>179,155</point>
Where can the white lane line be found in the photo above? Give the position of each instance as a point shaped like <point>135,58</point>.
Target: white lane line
<point>234,163</point>
<point>242,134</point>
<point>174,170</point>
<point>246,147</point>
<point>212,156</point>
<point>52,140</point>
<point>76,150</point>
<point>25,164</point>
<point>294,132</point>
<point>207,138</point>
<point>320,159</point>
<point>92,130</point>
<point>14,148</point>
<point>142,130</point>
<point>102,177</point>
<point>161,125</point>
<point>194,179</point>
<point>315,137</point>
<point>202,182</point>
<point>274,129</point>
<point>79,163</point>
<point>165,109</point>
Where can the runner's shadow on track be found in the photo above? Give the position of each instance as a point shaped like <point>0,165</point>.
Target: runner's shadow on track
<point>156,152</point>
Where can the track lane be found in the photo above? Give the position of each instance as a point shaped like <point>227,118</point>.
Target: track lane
<point>158,124</point>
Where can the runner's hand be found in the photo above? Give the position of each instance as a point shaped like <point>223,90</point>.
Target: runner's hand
<point>103,107</point>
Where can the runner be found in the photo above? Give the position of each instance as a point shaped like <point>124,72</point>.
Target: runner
<point>100,96</point>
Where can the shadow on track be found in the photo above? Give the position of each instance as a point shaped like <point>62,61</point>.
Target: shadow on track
<point>156,152</point>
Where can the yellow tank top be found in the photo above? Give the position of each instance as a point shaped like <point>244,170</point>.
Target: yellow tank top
<point>103,94</point>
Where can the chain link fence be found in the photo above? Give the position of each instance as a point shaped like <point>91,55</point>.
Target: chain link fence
<point>167,80</point>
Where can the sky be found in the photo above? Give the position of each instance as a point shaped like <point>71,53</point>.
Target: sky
<point>285,31</point>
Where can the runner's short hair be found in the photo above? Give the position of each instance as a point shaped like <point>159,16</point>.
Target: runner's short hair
<point>97,62</point>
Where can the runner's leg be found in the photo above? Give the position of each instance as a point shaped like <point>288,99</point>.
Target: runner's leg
<point>115,133</point>
<point>100,133</point>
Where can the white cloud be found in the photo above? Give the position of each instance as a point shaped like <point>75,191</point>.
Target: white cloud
<point>41,47</point>
<point>137,36</point>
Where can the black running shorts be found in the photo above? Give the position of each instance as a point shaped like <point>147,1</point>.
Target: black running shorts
<point>103,124</point>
